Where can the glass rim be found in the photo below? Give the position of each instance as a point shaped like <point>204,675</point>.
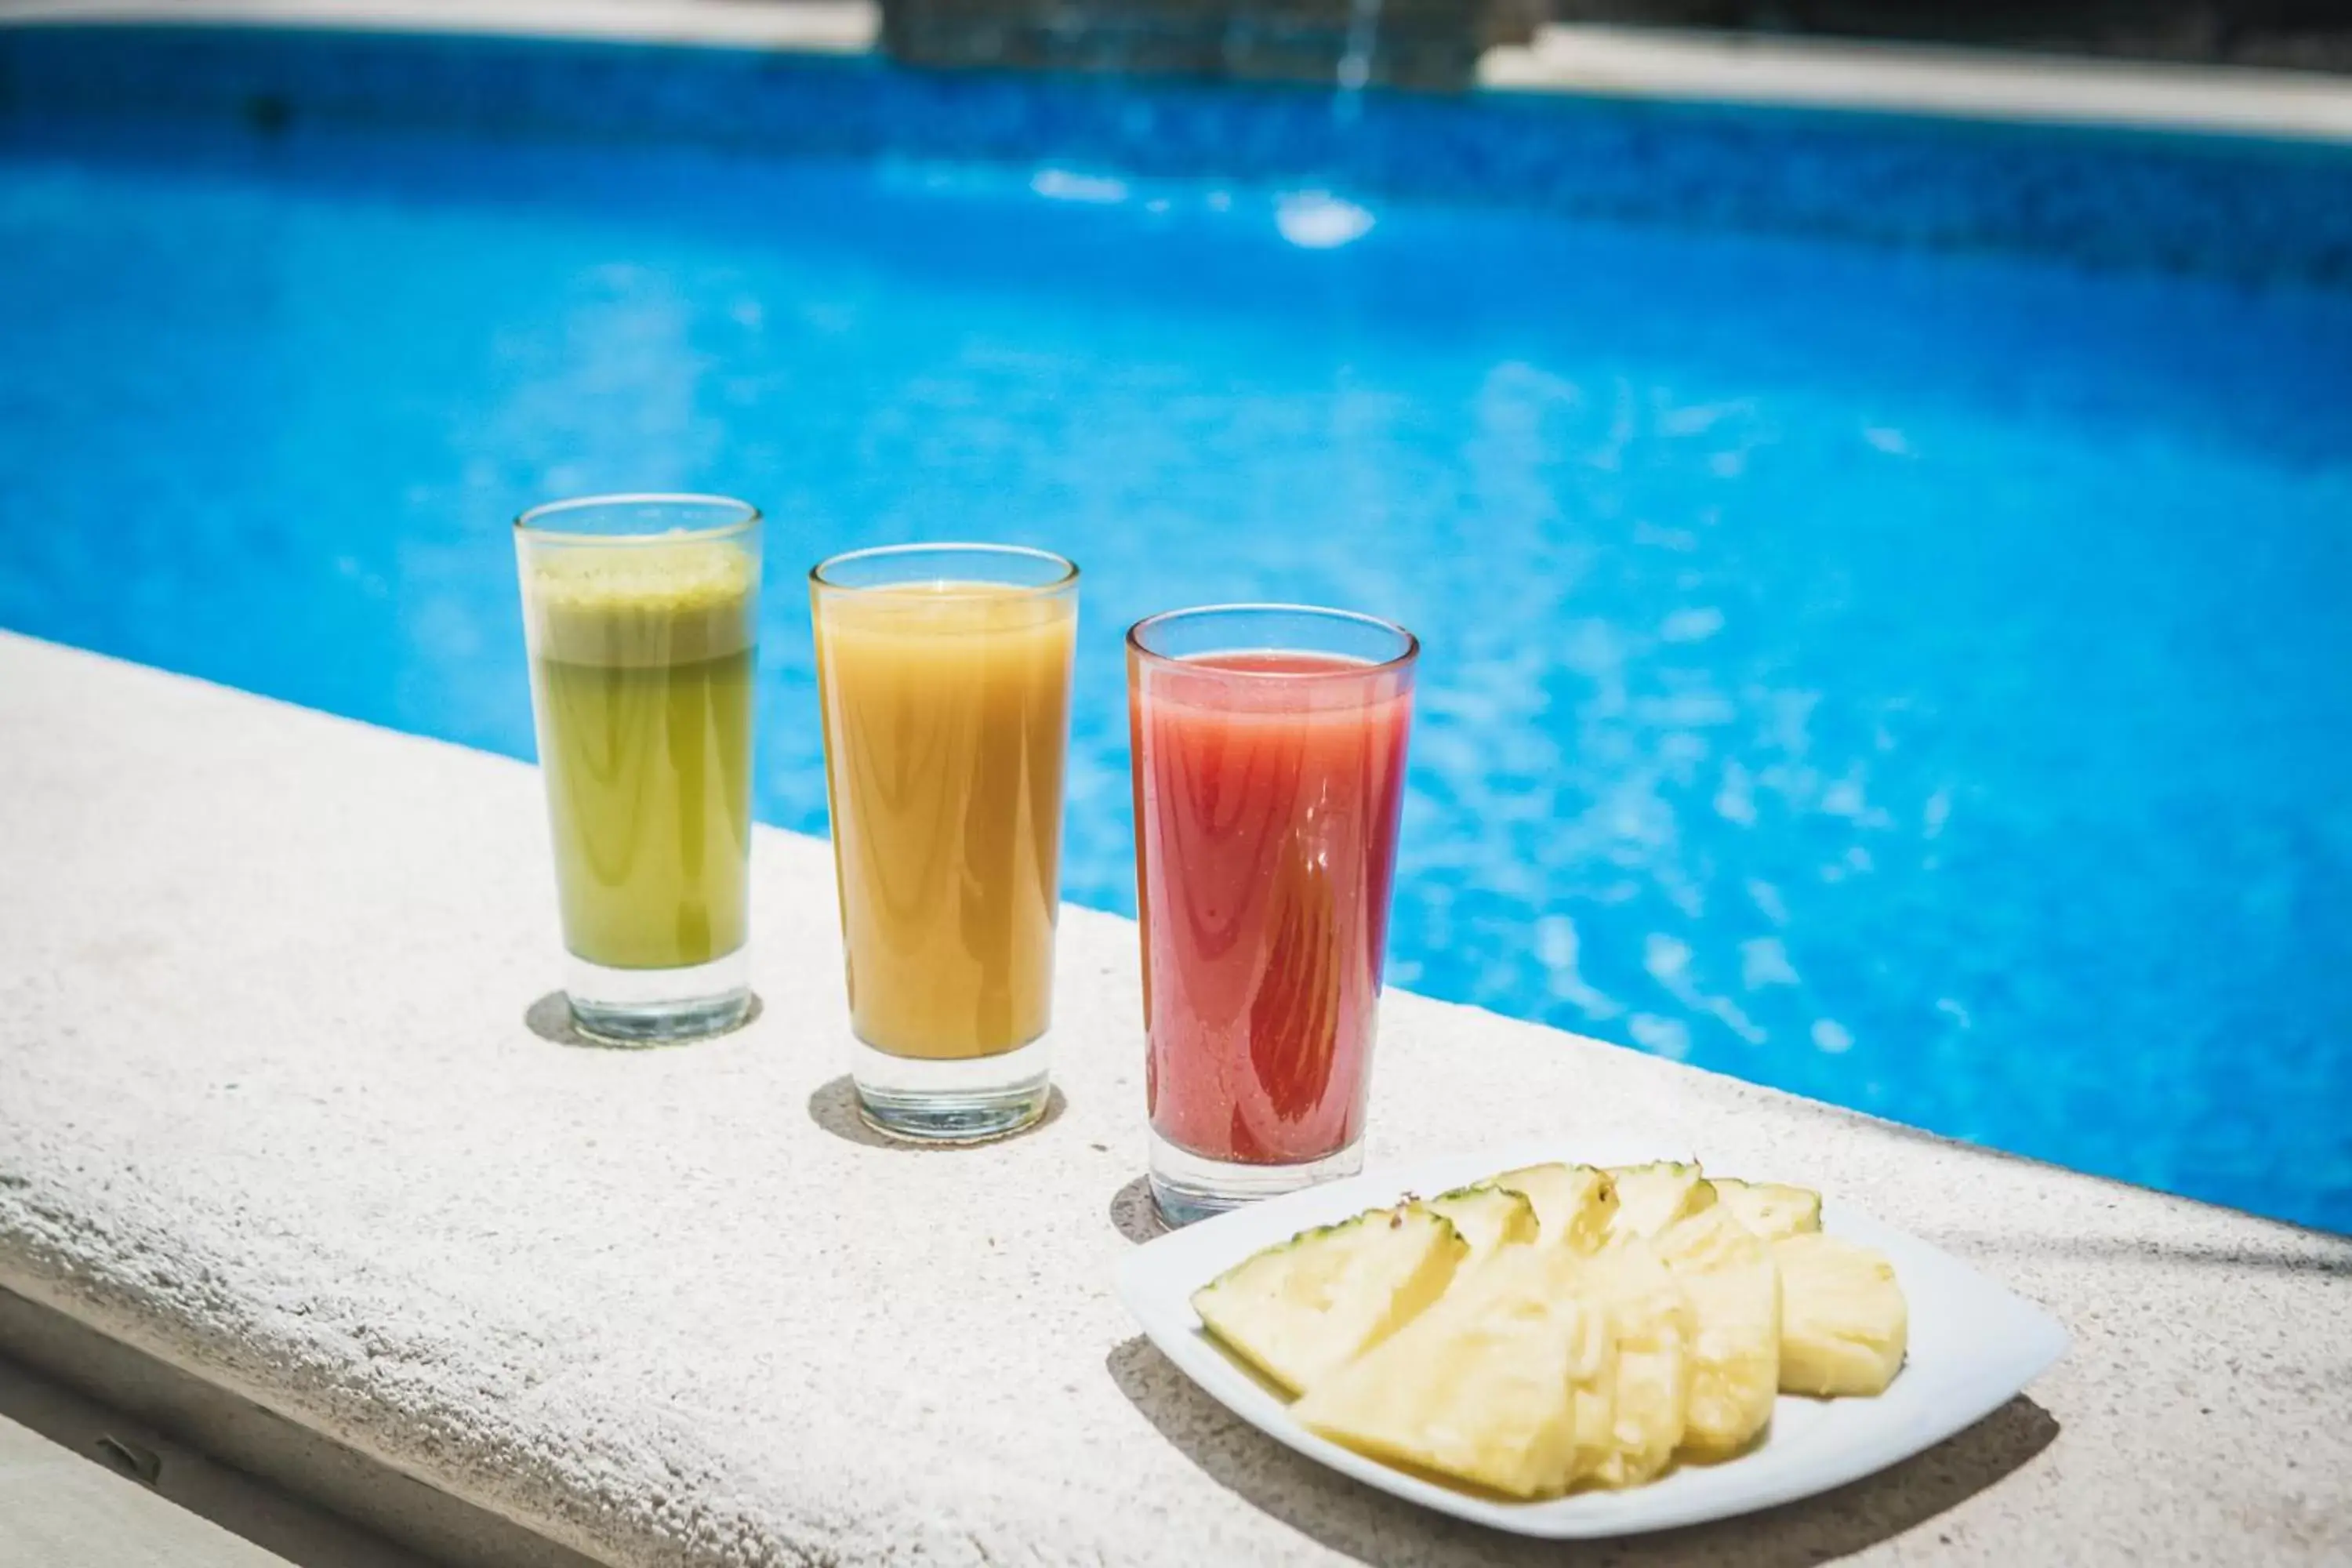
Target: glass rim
<point>746,516</point>
<point>1352,671</point>
<point>1069,569</point>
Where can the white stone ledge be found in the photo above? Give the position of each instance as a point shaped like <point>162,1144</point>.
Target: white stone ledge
<point>1978,84</point>
<point>269,1109</point>
<point>817,26</point>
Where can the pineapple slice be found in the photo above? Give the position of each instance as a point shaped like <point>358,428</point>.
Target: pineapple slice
<point>1653,1196</point>
<point>1845,1325</point>
<point>1310,1305</point>
<point>1506,1383</point>
<point>1734,1289</point>
<point>1573,1203</point>
<point>1769,1210</point>
<point>1652,1319</point>
<point>1487,1218</point>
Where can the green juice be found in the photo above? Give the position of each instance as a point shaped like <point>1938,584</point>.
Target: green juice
<point>642,669</point>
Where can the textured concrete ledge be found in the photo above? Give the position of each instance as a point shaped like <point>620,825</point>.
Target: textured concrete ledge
<point>271,1110</point>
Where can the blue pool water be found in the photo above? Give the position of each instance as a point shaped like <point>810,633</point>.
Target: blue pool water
<point>1910,668</point>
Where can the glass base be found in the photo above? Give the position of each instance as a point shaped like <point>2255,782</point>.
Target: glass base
<point>967,1099</point>
<point>1186,1187</point>
<point>658,1006</point>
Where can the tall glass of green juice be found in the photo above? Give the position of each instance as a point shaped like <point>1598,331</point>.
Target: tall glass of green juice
<point>641,612</point>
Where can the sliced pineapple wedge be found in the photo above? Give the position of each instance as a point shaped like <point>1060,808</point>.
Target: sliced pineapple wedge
<point>1487,1218</point>
<point>1653,1196</point>
<point>1506,1384</point>
<point>1734,1288</point>
<point>1769,1209</point>
<point>1317,1301</point>
<point>1844,1326</point>
<point>1650,1319</point>
<point>1573,1203</point>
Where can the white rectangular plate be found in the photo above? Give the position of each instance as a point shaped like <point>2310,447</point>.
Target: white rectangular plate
<point>1973,1345</point>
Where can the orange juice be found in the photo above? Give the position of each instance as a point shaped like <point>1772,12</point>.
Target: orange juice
<point>946,718</point>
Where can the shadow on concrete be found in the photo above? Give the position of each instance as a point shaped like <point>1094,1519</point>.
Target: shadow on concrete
<point>834,1107</point>
<point>550,1018</point>
<point>1373,1528</point>
<point>220,1494</point>
<point>1133,1213</point>
<point>284,1486</point>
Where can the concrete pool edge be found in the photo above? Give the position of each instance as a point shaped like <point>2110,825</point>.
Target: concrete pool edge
<point>292,1179</point>
<point>1588,59</point>
<point>821,26</point>
<point>1925,80</point>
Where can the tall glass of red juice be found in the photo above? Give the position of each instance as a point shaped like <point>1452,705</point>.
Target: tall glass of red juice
<point>1269,744</point>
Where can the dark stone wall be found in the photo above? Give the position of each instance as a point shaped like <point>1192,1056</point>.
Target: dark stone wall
<point>1416,43</point>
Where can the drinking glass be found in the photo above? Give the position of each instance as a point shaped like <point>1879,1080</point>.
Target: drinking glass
<point>641,614</point>
<point>1269,755</point>
<point>944,674</point>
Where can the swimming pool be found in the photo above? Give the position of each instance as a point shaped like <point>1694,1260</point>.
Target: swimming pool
<point>1887,587</point>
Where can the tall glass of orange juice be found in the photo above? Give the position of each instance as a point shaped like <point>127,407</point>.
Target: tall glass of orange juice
<point>944,676</point>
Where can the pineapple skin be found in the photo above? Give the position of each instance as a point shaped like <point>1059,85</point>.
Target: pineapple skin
<point>1769,1208</point>
<point>1734,1288</point>
<point>1506,1384</point>
<point>1653,1196</point>
<point>1845,1326</point>
<point>1301,1308</point>
<point>1487,1219</point>
<point>1574,1204</point>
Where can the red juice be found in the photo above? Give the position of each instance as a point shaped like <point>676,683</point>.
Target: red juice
<point>1267,788</point>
